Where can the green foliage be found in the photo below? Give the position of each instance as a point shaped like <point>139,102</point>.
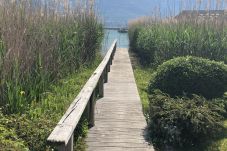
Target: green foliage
<point>191,75</point>
<point>144,47</point>
<point>182,121</point>
<point>157,42</point>
<point>142,76</point>
<point>23,130</point>
<point>8,137</point>
<point>34,126</point>
<point>188,121</point>
<point>34,132</point>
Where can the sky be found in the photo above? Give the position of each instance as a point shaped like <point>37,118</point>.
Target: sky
<point>120,11</point>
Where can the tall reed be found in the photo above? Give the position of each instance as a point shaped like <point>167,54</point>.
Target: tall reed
<point>40,43</point>
<point>158,40</point>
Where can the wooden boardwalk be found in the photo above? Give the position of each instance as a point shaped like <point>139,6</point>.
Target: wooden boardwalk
<point>119,121</point>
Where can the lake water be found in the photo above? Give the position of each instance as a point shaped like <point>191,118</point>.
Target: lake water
<point>117,13</point>
<point>110,36</point>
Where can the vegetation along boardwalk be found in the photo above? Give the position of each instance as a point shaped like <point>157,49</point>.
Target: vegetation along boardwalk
<point>119,121</point>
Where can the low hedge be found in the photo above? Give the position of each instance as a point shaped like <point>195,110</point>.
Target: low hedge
<point>191,75</point>
<point>182,121</point>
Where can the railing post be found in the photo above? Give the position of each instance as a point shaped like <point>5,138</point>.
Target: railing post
<point>115,48</point>
<point>111,59</point>
<point>105,75</point>
<point>92,102</point>
<point>68,147</point>
<point>87,111</point>
<point>101,84</point>
<point>108,66</point>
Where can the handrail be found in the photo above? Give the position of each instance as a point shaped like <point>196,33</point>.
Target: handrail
<point>62,135</point>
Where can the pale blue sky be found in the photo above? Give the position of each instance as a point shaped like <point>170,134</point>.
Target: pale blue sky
<point>120,11</point>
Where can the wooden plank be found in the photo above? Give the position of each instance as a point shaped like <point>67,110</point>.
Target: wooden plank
<point>119,135</point>
<point>120,123</point>
<point>119,144</point>
<point>64,130</point>
<point>114,148</point>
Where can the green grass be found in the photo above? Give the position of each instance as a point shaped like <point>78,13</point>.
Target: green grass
<point>143,76</point>
<point>33,127</point>
<point>221,143</point>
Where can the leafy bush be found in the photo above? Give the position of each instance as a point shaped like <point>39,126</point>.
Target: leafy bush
<point>157,42</point>
<point>182,121</point>
<point>191,75</point>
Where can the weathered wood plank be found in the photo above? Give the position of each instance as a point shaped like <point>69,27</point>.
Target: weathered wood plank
<point>120,124</point>
<point>119,144</point>
<point>118,149</point>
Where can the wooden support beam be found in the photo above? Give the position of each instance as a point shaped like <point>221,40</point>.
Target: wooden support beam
<point>108,66</point>
<point>105,75</point>
<point>92,101</point>
<point>101,86</point>
<point>68,147</point>
<point>87,111</point>
<point>111,59</point>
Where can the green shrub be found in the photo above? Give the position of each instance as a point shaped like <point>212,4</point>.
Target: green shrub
<point>221,103</point>
<point>182,121</point>
<point>191,75</point>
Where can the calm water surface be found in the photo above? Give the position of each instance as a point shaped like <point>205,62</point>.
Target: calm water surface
<point>110,36</point>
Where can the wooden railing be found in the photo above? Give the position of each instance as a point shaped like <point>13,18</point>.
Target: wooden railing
<point>62,135</point>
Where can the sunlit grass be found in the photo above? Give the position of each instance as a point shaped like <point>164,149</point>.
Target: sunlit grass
<point>221,143</point>
<point>142,77</point>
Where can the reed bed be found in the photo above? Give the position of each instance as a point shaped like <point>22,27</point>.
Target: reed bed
<point>157,40</point>
<point>41,42</point>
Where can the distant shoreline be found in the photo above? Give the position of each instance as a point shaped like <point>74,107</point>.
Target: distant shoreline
<point>113,28</point>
